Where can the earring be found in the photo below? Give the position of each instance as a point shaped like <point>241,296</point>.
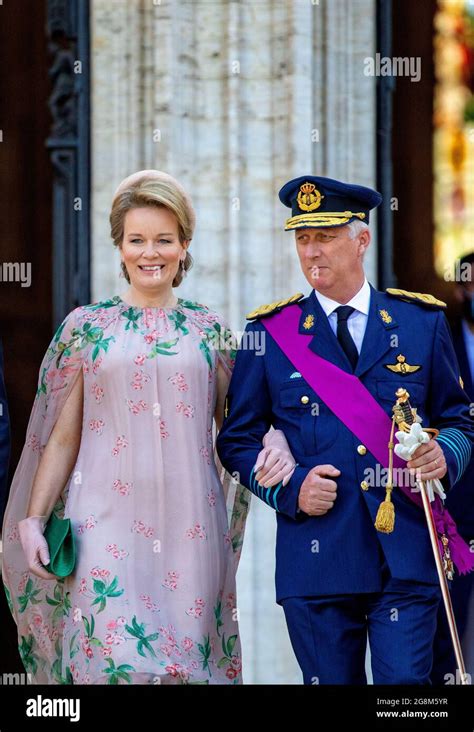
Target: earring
<point>183,271</point>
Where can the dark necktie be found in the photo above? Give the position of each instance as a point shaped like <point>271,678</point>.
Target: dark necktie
<point>343,335</point>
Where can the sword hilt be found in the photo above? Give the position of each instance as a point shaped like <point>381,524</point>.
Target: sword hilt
<point>403,412</point>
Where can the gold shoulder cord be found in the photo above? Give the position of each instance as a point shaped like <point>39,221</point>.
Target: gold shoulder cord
<point>385,519</point>
<point>403,417</point>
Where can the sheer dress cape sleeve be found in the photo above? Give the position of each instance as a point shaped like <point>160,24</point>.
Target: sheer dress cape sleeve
<point>37,605</point>
<point>237,496</point>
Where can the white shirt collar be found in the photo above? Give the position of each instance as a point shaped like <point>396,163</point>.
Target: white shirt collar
<point>360,301</point>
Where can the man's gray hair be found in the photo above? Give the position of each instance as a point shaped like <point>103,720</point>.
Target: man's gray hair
<point>356,228</point>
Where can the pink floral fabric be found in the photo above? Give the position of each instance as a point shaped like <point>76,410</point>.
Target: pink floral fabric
<point>158,524</point>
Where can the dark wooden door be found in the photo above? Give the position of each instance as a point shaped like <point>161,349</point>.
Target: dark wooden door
<point>412,152</point>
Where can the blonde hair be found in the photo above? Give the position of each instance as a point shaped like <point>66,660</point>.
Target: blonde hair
<point>160,190</point>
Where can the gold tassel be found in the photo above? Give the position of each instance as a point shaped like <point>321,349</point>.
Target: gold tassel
<point>385,519</point>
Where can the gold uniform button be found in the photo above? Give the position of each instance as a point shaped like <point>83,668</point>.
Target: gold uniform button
<point>304,399</point>
<point>364,485</point>
<point>361,449</point>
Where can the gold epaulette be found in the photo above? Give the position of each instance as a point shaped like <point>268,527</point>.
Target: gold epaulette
<point>273,307</point>
<point>420,297</point>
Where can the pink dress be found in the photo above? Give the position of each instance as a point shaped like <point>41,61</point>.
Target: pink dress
<point>158,526</point>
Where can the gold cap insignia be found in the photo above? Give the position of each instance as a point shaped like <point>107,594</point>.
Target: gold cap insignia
<point>401,367</point>
<point>308,322</point>
<point>385,316</point>
<point>309,198</point>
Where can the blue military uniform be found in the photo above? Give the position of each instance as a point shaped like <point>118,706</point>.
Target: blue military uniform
<point>332,570</point>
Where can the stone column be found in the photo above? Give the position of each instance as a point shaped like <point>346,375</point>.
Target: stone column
<point>233,98</point>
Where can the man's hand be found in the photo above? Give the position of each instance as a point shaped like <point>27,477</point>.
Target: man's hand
<point>428,461</point>
<point>318,493</point>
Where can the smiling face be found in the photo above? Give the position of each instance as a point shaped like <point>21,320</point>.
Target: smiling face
<point>151,249</point>
<point>330,260</point>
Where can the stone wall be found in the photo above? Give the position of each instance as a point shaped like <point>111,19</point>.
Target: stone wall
<point>233,98</point>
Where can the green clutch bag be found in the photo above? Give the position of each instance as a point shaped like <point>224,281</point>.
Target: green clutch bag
<point>62,549</point>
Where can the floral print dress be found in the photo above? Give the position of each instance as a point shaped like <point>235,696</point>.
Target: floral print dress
<point>158,525</point>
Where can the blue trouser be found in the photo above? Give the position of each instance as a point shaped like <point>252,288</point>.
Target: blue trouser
<point>329,634</point>
<point>444,661</point>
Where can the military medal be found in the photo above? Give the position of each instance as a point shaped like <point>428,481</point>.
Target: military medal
<point>402,367</point>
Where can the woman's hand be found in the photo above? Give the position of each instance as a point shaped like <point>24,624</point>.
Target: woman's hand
<point>275,462</point>
<point>34,545</point>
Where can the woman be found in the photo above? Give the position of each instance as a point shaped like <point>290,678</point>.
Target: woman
<point>120,440</point>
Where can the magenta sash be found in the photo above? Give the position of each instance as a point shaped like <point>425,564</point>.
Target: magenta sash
<point>354,405</point>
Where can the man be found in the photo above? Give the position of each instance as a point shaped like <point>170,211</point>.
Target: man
<point>460,502</point>
<point>337,577</point>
